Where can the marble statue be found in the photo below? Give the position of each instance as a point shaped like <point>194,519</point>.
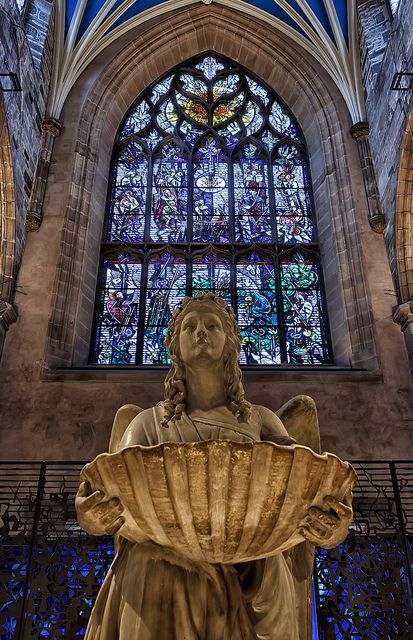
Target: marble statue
<point>156,592</point>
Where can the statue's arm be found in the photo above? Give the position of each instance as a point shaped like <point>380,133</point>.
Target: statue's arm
<point>272,429</point>
<point>97,513</point>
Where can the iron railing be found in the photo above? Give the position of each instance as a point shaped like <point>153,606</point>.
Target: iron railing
<point>51,571</point>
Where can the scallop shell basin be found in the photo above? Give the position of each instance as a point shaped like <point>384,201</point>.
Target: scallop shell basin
<point>219,500</point>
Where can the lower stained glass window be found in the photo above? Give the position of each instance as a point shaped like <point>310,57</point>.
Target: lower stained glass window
<point>210,191</point>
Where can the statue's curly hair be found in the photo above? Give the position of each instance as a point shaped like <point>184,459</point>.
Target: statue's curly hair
<point>175,382</point>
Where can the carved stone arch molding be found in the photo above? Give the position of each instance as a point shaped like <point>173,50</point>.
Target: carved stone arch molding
<point>404,214</point>
<point>403,276</point>
<point>319,109</point>
<point>7,229</point>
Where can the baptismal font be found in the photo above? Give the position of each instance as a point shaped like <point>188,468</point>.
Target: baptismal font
<point>216,504</point>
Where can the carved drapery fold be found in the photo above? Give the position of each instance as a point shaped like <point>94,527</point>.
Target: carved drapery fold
<point>360,133</point>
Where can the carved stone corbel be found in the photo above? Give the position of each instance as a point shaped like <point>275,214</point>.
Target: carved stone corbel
<point>360,133</point>
<point>51,128</point>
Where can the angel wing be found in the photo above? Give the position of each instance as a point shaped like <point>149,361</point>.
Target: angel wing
<point>123,418</point>
<point>299,416</point>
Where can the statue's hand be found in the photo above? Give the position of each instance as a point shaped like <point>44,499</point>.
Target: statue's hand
<point>96,514</point>
<point>327,527</point>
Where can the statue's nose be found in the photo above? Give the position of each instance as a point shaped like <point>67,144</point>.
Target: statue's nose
<point>201,333</point>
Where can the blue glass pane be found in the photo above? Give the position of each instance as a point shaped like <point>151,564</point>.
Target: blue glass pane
<point>258,90</point>
<point>251,198</point>
<point>291,195</point>
<point>169,196</point>
<point>189,132</point>
<point>116,331</point>
<point>225,85</point>
<point>282,122</point>
<point>194,85</point>
<point>128,206</point>
<point>303,311</point>
<point>210,206</point>
<point>257,314</point>
<point>161,88</point>
<point>210,273</point>
<point>138,120</point>
<point>231,133</point>
<point>166,287</point>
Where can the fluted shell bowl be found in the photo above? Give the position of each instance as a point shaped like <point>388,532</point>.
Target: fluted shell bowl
<point>218,501</point>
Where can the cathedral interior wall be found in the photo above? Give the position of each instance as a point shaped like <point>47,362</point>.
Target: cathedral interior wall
<point>60,408</point>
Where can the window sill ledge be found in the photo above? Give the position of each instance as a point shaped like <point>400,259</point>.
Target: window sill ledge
<point>324,374</point>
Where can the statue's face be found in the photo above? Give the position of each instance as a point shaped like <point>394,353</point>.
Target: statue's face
<point>202,337</point>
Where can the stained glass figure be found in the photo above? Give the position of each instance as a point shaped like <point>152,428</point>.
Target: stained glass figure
<point>210,200</point>
<point>208,155</point>
<point>169,196</point>
<point>252,220</point>
<point>212,273</point>
<point>119,302</point>
<point>257,311</point>
<point>166,287</point>
<point>292,200</point>
<point>129,192</point>
<point>303,311</point>
<point>168,116</point>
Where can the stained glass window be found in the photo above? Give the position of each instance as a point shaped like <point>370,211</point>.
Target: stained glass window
<point>210,191</point>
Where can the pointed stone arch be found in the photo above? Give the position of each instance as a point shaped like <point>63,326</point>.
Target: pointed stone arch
<point>316,104</point>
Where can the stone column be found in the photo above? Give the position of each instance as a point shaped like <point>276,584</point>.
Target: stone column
<point>51,128</point>
<point>8,315</point>
<point>403,315</point>
<point>360,133</point>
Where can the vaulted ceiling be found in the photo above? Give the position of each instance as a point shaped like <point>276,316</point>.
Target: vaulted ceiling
<point>325,28</point>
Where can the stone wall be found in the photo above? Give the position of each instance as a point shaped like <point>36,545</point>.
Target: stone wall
<point>26,50</point>
<point>387,49</point>
<point>58,406</point>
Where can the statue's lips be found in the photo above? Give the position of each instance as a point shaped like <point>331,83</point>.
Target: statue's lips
<point>219,500</point>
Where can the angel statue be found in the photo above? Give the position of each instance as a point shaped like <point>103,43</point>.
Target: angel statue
<point>152,590</point>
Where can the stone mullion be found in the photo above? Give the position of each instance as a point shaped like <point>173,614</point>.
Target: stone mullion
<point>51,128</point>
<point>360,133</point>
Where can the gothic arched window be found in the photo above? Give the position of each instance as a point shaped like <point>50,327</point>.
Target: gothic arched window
<point>210,191</point>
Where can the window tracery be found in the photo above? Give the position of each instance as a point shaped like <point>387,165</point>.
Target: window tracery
<point>210,191</point>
